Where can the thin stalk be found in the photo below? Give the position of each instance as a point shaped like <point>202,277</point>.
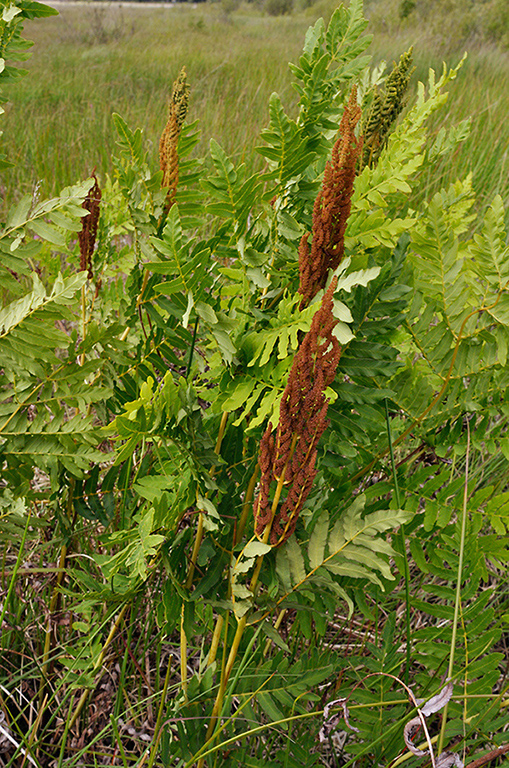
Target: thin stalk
<point>158,729</point>
<point>162,220</point>
<point>406,565</point>
<point>191,350</point>
<point>457,601</point>
<point>199,529</point>
<point>97,665</point>
<point>32,735</point>
<point>126,488</point>
<point>246,507</point>
<point>216,639</point>
<point>118,739</point>
<point>52,608</point>
<point>225,724</point>
<point>243,620</point>
<point>239,532</point>
<point>196,548</point>
<point>121,683</point>
<point>183,654</point>
<point>83,321</point>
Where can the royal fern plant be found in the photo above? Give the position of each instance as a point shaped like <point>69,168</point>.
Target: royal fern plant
<point>218,375</point>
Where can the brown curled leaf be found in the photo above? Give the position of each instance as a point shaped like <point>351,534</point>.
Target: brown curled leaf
<point>447,759</point>
<point>437,702</point>
<point>332,722</point>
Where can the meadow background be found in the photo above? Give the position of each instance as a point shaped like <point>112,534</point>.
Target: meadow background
<point>100,58</point>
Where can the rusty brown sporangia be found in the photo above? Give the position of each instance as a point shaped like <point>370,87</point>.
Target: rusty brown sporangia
<point>288,456</point>
<point>168,155</point>
<point>88,233</point>
<point>332,208</point>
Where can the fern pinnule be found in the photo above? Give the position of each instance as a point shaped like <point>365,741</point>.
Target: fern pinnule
<point>88,234</point>
<point>168,154</point>
<point>332,208</point>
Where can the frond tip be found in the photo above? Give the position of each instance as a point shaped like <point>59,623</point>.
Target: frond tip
<point>332,208</point>
<point>168,155</point>
<point>88,233</point>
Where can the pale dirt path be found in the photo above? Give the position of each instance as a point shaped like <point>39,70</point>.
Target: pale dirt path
<point>110,4</point>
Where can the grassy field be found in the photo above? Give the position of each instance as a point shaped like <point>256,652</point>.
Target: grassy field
<point>94,60</point>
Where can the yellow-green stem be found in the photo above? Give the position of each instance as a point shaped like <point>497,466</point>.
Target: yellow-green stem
<point>246,507</point>
<point>216,638</point>
<point>139,300</point>
<point>199,530</point>
<point>243,621</point>
<point>83,320</point>
<point>183,655</point>
<point>196,548</point>
<point>459,577</point>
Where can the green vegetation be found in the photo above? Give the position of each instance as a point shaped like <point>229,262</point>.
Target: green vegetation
<point>254,443</point>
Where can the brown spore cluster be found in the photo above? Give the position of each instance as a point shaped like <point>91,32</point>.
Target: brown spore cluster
<point>289,456</point>
<point>88,234</point>
<point>331,208</point>
<point>168,144</point>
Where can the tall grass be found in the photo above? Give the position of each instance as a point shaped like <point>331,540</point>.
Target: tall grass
<point>94,60</point>
<point>90,62</point>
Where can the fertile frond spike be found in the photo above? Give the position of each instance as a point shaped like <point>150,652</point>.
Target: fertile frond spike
<point>88,233</point>
<point>384,111</point>
<point>180,97</point>
<point>332,208</point>
<point>290,457</point>
<point>168,155</point>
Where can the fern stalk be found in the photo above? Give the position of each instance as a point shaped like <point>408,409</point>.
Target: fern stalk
<point>243,620</point>
<point>457,601</point>
<point>191,350</point>
<point>246,506</point>
<point>196,548</point>
<point>406,565</point>
<point>183,655</point>
<point>83,321</point>
<point>199,530</point>
<point>216,638</point>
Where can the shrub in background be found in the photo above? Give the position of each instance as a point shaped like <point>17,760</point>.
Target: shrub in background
<point>278,7</point>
